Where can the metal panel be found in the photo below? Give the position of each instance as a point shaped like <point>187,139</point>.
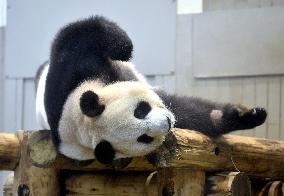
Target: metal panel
<point>183,70</point>
<point>274,108</point>
<point>10,106</point>
<point>239,43</point>
<point>1,75</point>
<point>29,114</point>
<point>261,99</point>
<point>32,25</point>
<point>282,110</point>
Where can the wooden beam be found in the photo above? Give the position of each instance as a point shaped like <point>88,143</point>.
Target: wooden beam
<point>228,183</point>
<point>9,151</point>
<point>8,185</point>
<point>32,180</point>
<point>109,183</point>
<point>254,156</point>
<point>180,182</point>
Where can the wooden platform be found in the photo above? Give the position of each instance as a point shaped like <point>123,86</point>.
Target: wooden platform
<point>189,163</point>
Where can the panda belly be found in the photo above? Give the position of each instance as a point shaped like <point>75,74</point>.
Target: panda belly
<point>40,107</point>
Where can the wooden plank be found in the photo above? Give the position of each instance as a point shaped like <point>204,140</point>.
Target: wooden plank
<point>180,182</point>
<point>248,99</point>
<point>9,151</point>
<point>110,183</point>
<point>8,185</point>
<point>31,180</point>
<point>232,183</point>
<point>273,131</point>
<point>261,99</point>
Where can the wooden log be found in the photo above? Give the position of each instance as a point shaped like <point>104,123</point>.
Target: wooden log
<point>8,185</point>
<point>30,180</point>
<point>9,151</point>
<point>180,182</point>
<point>224,184</point>
<point>256,157</point>
<point>275,189</point>
<point>110,184</point>
<point>41,150</point>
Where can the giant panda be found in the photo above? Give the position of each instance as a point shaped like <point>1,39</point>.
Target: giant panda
<point>99,106</point>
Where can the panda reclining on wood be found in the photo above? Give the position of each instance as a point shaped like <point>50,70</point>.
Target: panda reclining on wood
<point>99,107</point>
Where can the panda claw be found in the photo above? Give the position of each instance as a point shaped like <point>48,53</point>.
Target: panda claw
<point>254,117</point>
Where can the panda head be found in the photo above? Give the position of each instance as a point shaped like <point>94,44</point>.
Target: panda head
<point>124,119</point>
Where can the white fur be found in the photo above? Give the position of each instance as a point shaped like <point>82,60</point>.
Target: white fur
<point>40,109</point>
<point>116,124</point>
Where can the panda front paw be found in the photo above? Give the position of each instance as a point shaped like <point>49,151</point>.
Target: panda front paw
<point>254,117</point>
<point>238,117</point>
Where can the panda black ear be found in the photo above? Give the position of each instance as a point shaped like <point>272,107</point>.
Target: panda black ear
<point>89,104</point>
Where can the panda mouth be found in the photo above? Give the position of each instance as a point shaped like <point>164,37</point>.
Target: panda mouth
<point>146,139</point>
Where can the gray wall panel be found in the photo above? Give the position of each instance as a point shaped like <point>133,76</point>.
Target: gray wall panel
<point>266,91</point>
<point>151,25</point>
<point>239,43</point>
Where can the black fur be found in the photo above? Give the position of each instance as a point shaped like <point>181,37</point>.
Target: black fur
<point>194,113</point>
<point>142,109</point>
<point>82,51</point>
<point>89,104</point>
<point>104,152</point>
<point>145,139</point>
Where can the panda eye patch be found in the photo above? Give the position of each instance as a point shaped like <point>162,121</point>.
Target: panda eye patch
<point>142,109</point>
<point>89,104</point>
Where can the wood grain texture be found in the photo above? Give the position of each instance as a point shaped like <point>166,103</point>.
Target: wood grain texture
<point>8,185</point>
<point>110,184</point>
<point>232,183</point>
<point>9,151</point>
<point>179,182</point>
<point>31,180</point>
<point>255,156</point>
